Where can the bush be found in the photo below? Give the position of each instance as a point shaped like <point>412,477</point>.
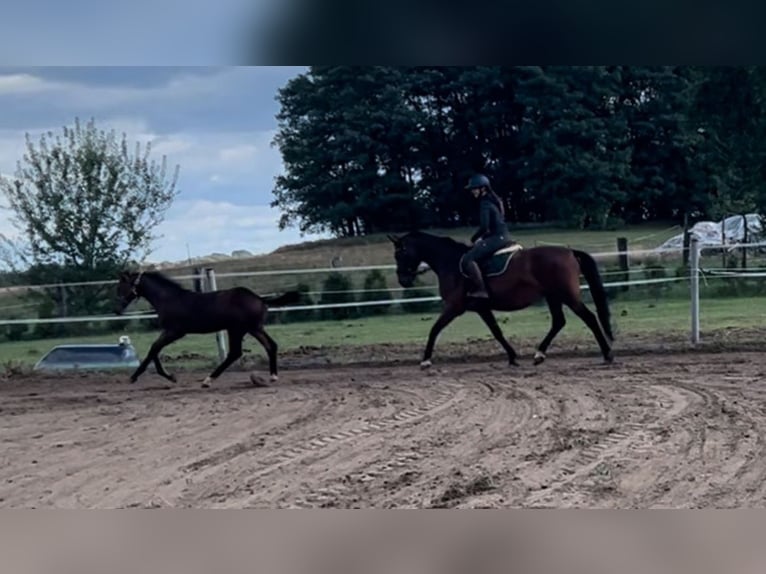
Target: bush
<point>335,290</point>
<point>656,271</point>
<point>301,315</point>
<point>15,332</point>
<point>375,289</point>
<point>417,292</point>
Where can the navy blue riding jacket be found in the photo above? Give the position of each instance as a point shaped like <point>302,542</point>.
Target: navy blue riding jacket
<point>491,220</point>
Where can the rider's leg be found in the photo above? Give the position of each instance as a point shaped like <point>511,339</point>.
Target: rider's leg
<point>481,249</point>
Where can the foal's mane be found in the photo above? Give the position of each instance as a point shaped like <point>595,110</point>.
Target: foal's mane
<point>163,280</point>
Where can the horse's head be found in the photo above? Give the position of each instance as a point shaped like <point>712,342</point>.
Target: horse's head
<point>407,259</point>
<point>127,289</point>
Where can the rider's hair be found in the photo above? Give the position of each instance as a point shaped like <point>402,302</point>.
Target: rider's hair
<point>491,192</point>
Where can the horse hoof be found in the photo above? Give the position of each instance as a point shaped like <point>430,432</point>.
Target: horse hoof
<point>513,363</point>
<point>425,364</point>
<point>539,358</point>
<point>260,381</point>
<point>609,359</point>
<point>207,382</point>
<point>172,379</point>
<point>132,381</point>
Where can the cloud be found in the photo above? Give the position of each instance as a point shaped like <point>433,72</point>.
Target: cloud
<point>22,84</point>
<point>217,124</point>
<point>170,100</point>
<point>77,94</point>
<point>210,226</point>
<point>246,160</point>
<point>92,32</point>
<point>238,153</point>
<point>225,183</point>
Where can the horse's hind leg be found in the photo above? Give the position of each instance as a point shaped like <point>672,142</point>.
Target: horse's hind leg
<point>557,323</point>
<point>235,352</point>
<point>270,345</point>
<point>587,316</point>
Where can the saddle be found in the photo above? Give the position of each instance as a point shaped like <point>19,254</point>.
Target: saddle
<point>498,262</point>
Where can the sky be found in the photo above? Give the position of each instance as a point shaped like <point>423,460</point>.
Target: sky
<point>139,32</point>
<point>217,123</point>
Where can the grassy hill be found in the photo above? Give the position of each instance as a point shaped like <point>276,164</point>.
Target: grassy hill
<point>376,250</point>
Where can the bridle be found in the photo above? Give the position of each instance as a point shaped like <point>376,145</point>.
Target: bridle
<point>136,282</point>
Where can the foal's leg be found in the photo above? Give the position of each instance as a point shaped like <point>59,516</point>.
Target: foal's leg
<point>448,315</point>
<point>235,352</point>
<point>271,350</point>
<point>590,319</point>
<point>557,323</point>
<point>165,338</point>
<point>162,372</point>
<point>489,319</point>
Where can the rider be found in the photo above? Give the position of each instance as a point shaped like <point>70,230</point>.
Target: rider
<point>491,235</point>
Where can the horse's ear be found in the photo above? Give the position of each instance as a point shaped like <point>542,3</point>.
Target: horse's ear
<point>395,240</point>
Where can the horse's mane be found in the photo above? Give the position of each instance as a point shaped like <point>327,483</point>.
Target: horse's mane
<point>164,280</point>
<point>446,242</point>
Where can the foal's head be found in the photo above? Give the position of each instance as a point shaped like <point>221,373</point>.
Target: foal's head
<point>127,289</point>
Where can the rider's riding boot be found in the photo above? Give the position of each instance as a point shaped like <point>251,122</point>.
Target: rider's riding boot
<point>480,290</point>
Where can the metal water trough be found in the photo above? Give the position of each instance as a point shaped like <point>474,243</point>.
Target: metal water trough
<point>121,355</point>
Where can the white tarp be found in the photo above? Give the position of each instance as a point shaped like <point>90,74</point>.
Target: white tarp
<point>712,233</point>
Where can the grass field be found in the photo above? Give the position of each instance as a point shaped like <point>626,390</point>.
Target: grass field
<point>524,328</point>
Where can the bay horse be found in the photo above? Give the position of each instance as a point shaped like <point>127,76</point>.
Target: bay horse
<point>237,311</point>
<point>515,278</point>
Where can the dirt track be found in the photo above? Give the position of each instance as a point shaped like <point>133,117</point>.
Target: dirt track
<point>672,430</point>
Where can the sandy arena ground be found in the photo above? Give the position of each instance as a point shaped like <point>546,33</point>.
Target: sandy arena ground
<point>681,430</point>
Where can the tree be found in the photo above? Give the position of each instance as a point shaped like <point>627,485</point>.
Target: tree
<point>84,207</point>
<point>384,149</point>
<point>580,154</point>
<point>347,136</point>
<point>730,113</point>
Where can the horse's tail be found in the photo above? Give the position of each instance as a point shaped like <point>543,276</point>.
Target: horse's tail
<point>284,299</point>
<point>589,269</point>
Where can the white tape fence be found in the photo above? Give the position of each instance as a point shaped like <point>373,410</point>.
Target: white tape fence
<point>693,279</point>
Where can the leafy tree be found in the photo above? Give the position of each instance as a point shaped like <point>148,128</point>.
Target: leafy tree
<point>667,179</point>
<point>85,206</point>
<point>384,149</point>
<point>729,111</point>
<point>345,138</point>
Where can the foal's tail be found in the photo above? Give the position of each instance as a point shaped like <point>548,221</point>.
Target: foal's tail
<point>284,299</point>
<point>589,269</point>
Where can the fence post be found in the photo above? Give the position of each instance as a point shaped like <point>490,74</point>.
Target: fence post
<point>197,282</point>
<point>219,336</point>
<point>695,289</point>
<point>622,249</point>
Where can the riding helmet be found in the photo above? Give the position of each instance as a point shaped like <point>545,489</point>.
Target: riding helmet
<point>478,180</point>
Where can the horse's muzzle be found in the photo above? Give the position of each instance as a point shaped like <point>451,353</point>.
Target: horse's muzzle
<point>120,306</point>
<point>406,281</point>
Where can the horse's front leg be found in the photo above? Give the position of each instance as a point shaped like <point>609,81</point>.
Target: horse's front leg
<point>165,338</point>
<point>448,315</point>
<point>489,320</point>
